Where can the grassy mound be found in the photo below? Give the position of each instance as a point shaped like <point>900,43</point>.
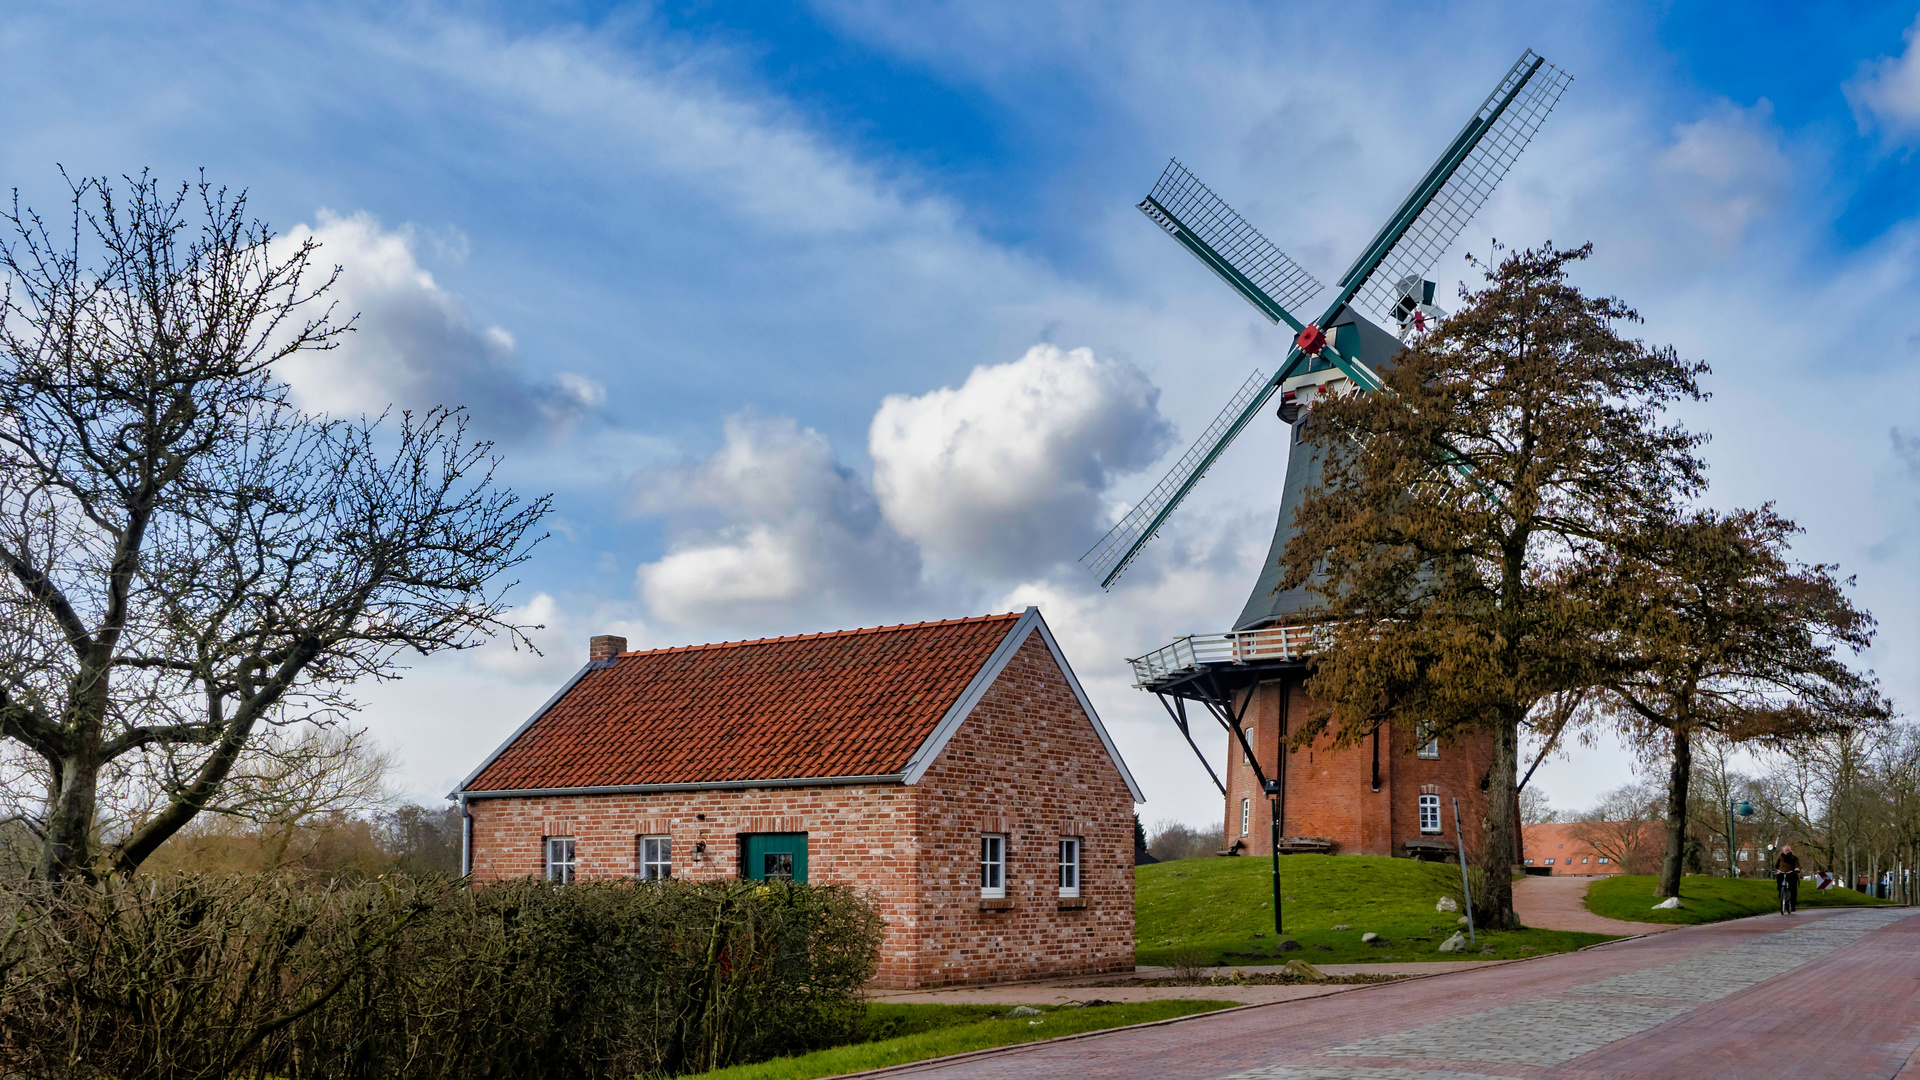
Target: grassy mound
<point>897,1034</point>
<point>1707,899</point>
<point>1222,909</point>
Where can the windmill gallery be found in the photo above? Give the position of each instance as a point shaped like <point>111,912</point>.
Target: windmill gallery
<point>957,769</point>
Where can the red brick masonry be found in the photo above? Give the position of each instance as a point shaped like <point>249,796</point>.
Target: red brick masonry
<point>1025,759</point>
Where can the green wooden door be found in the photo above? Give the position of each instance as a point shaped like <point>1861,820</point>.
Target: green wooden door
<point>775,856</point>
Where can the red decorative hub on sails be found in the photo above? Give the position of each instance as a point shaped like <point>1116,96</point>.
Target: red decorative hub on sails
<point>1312,339</point>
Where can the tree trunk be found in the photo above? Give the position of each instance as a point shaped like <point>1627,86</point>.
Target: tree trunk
<point>1677,779</point>
<point>68,850</point>
<point>1493,906</point>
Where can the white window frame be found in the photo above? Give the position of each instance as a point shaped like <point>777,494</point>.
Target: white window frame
<point>993,866</point>
<point>1430,803</point>
<point>656,857</point>
<point>1603,860</point>
<point>1246,815</point>
<point>560,859</point>
<point>1072,851</point>
<point>1429,746</point>
<point>1549,862</point>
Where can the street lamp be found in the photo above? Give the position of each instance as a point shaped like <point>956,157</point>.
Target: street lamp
<point>1745,810</point>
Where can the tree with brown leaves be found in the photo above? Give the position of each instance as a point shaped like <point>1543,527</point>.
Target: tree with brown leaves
<point>1509,450</point>
<point>1725,636</point>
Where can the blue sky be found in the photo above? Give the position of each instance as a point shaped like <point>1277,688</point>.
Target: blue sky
<point>832,315</point>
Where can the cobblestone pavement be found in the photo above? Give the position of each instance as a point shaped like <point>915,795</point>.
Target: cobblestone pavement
<point>1818,994</point>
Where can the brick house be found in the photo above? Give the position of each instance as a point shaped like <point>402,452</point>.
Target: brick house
<point>953,770</point>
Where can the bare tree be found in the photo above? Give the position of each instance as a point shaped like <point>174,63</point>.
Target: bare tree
<point>1534,808</point>
<point>187,557</point>
<point>1625,826</point>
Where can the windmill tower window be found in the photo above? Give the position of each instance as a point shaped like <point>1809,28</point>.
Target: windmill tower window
<point>1430,815</point>
<point>1246,815</point>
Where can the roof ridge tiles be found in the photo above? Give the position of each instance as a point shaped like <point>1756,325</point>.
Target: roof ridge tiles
<point>855,632</point>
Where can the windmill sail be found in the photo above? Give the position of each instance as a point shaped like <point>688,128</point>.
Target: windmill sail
<point>1204,224</point>
<point>1116,549</point>
<point>1445,199</point>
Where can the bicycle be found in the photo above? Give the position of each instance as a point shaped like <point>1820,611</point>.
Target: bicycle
<point>1788,883</point>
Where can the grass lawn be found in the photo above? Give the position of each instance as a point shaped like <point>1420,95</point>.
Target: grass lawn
<point>1223,907</point>
<point>897,1034</point>
<point>1707,899</point>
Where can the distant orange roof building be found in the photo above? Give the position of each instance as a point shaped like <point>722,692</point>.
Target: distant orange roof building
<point>1555,848</point>
<point>955,770</point>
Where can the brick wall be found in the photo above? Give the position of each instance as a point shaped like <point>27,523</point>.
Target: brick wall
<point>1331,793</point>
<point>1026,763</point>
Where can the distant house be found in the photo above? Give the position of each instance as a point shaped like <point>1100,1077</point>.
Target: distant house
<point>955,770</point>
<point>1558,849</point>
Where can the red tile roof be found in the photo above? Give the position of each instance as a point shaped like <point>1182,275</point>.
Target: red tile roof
<point>848,703</point>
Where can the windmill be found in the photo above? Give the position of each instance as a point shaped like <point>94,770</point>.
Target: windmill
<point>1343,349</point>
<point>1257,669</point>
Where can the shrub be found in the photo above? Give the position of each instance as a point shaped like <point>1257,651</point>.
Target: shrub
<point>182,977</point>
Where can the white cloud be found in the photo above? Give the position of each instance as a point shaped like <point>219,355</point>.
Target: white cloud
<point>414,344</point>
<point>1005,473</point>
<point>1726,169</point>
<point>770,525</point>
<point>1886,93</point>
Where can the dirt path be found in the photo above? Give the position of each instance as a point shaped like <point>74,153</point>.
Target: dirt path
<point>1558,903</point>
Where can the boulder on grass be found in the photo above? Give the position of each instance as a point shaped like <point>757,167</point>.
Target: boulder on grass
<point>1447,903</point>
<point>1455,943</point>
<point>1369,938</point>
<point>1305,970</point>
<point>1669,904</point>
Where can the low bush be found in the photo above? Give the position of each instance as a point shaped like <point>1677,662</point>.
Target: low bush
<point>178,977</point>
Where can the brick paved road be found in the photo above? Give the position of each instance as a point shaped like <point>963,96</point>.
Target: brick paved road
<point>1816,995</point>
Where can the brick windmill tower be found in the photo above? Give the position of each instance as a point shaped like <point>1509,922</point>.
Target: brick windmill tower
<point>1386,798</point>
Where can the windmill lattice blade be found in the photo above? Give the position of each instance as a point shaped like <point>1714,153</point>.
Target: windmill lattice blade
<point>1109,558</point>
<point>1463,193</point>
<point>1241,245</point>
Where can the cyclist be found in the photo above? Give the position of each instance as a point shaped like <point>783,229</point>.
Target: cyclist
<point>1786,871</point>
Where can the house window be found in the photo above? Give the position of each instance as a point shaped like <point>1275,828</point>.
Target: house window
<point>1603,860</point>
<point>1429,745</point>
<point>656,858</point>
<point>1430,814</point>
<point>1549,862</point>
<point>1529,862</point>
<point>560,858</point>
<point>1246,815</point>
<point>1583,860</point>
<point>1069,866</point>
<point>993,867</point>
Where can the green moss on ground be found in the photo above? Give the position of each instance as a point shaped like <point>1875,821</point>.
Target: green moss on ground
<point>1222,908</point>
<point>1707,899</point>
<point>898,1034</point>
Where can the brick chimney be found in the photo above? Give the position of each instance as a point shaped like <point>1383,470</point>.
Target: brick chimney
<point>605,647</point>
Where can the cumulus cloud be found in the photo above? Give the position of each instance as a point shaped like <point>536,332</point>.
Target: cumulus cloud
<point>771,524</point>
<point>1885,94</point>
<point>415,345</point>
<point>1727,169</point>
<point>1005,474</point>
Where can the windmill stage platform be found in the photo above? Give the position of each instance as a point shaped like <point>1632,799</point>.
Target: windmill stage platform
<point>1234,658</point>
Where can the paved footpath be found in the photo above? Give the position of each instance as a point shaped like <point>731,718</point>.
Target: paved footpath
<point>1560,903</point>
<point>1818,994</point>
